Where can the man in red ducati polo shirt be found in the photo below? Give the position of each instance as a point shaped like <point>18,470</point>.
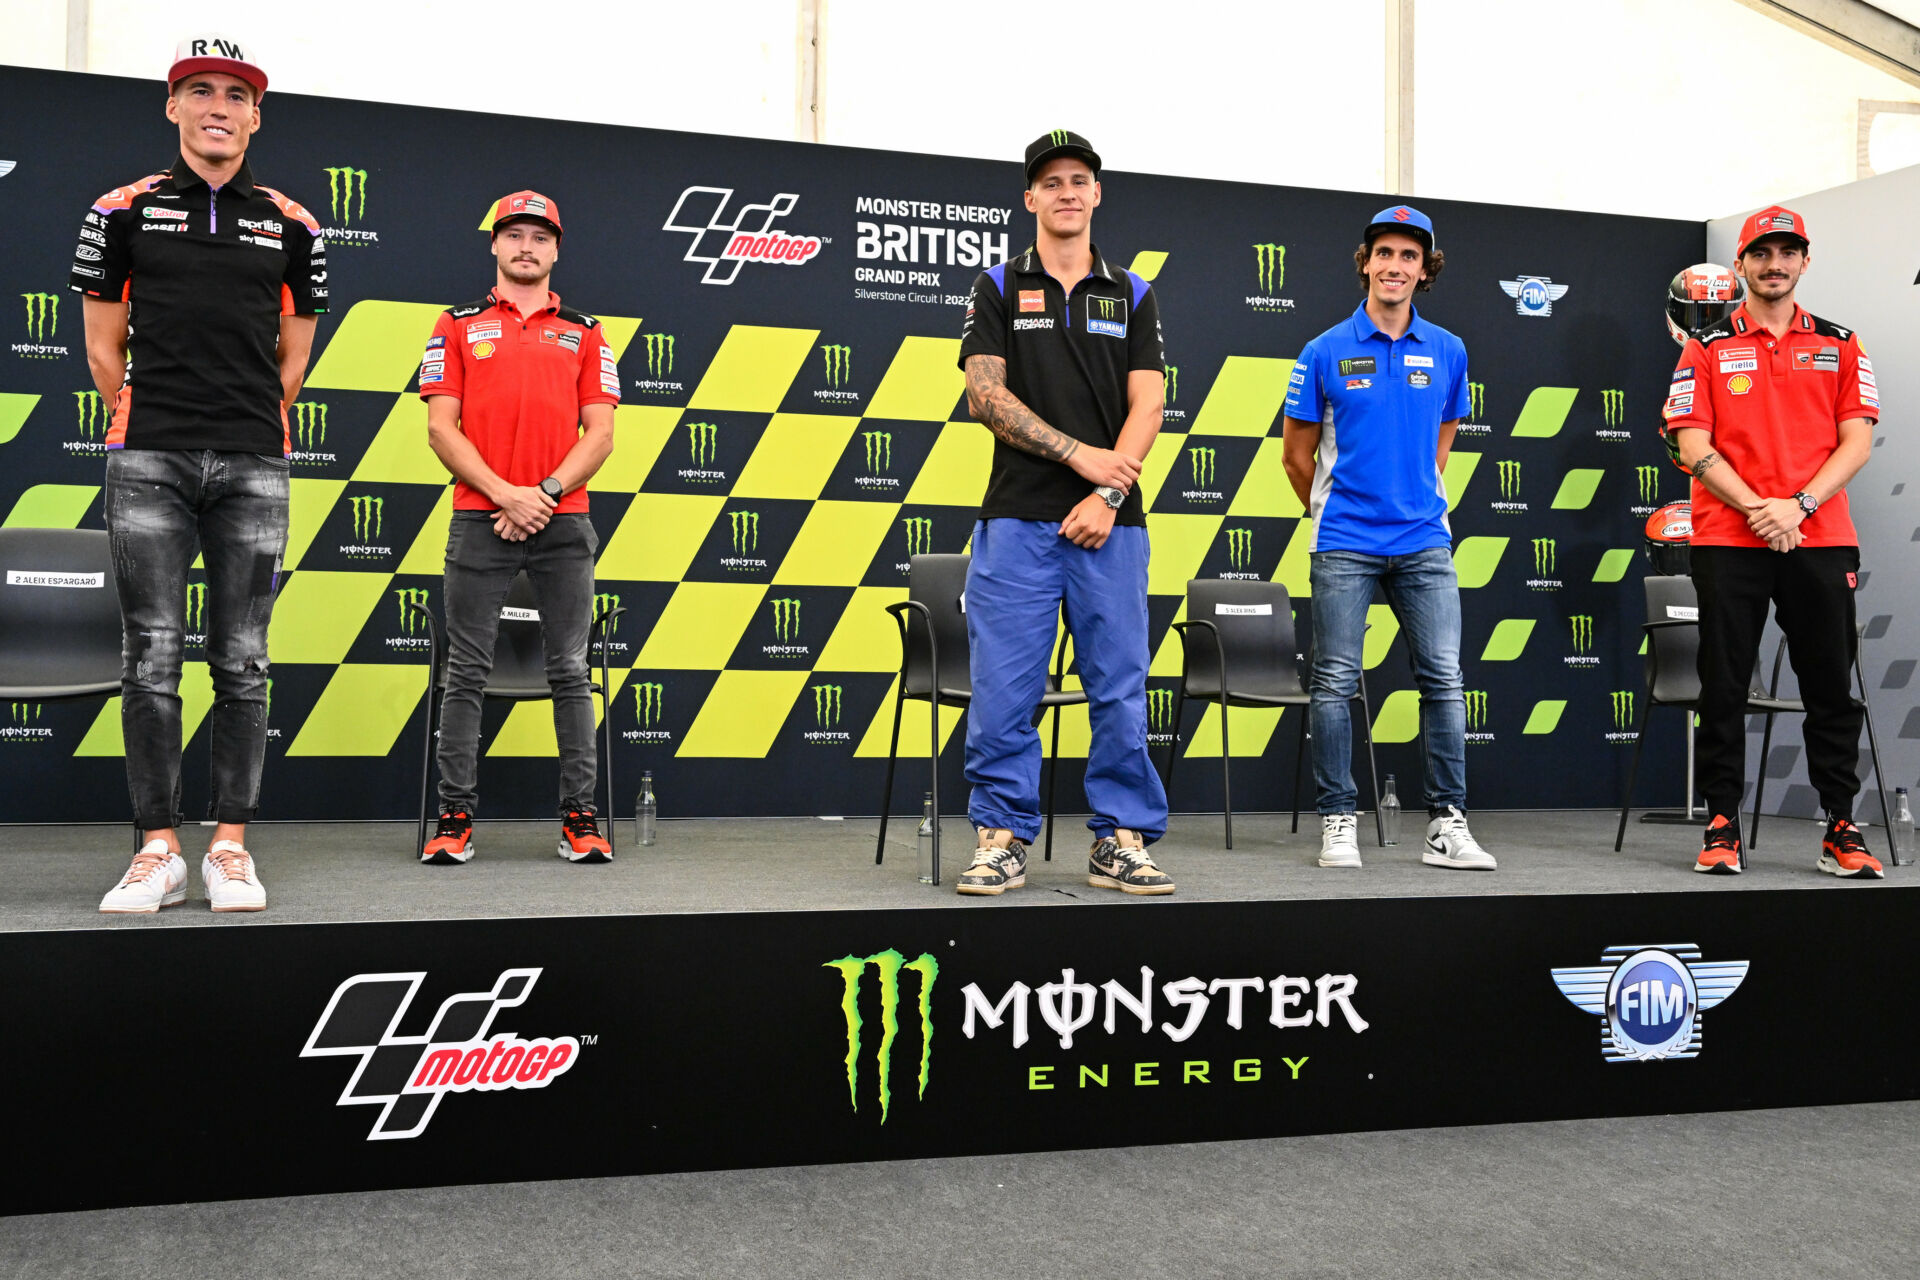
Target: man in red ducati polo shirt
<point>520,393</point>
<point>1772,410</point>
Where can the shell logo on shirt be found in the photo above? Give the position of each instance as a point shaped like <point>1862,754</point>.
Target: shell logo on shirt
<point>481,350</point>
<point>1739,384</point>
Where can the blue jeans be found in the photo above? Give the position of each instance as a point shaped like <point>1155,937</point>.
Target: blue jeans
<point>162,506</point>
<point>1021,571</point>
<point>1425,597</point>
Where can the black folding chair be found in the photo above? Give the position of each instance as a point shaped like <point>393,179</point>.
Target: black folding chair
<point>1237,649</point>
<point>935,668</point>
<point>519,675</point>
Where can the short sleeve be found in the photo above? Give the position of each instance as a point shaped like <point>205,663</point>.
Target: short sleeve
<point>1305,401</point>
<point>1689,396</point>
<point>305,284</point>
<point>1459,394</point>
<point>440,371</point>
<point>599,371</point>
<point>1146,346</point>
<point>101,263</point>
<point>1859,391</point>
<point>985,331</point>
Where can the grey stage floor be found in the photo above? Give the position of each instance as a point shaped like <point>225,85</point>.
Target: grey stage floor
<point>54,875</point>
<point>1805,1194</point>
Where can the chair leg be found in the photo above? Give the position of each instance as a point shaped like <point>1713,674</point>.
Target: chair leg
<point>1299,759</point>
<point>893,758</point>
<point>1226,769</point>
<point>1053,776</point>
<point>606,726</point>
<point>1373,766</point>
<point>426,765</point>
<point>1873,746</point>
<point>933,759</point>
<point>1759,785</point>
<point>1633,770</point>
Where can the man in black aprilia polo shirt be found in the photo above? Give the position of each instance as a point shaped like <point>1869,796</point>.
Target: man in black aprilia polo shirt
<point>219,280</point>
<point>1064,365</point>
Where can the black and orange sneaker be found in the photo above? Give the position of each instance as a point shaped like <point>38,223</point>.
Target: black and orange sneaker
<point>1721,854</point>
<point>1844,853</point>
<point>580,838</point>
<point>452,843</point>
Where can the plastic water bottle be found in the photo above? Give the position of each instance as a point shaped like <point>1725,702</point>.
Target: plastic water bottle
<point>1902,829</point>
<point>1390,813</point>
<point>926,838</point>
<point>646,810</point>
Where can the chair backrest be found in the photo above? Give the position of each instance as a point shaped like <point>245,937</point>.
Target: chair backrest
<point>1255,623</point>
<point>59,614</point>
<point>519,657</point>
<point>1673,653</point>
<point>939,582</point>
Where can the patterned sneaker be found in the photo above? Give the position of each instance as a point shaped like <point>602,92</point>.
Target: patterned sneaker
<point>580,838</point>
<point>157,878</point>
<point>1339,843</point>
<point>232,884</point>
<point>1720,852</point>
<point>1450,844</point>
<point>999,864</point>
<point>452,844</point>
<point>1120,861</point>
<point>1844,853</point>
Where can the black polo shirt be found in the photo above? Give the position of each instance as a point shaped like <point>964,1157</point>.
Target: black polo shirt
<point>1068,356</point>
<point>206,275</point>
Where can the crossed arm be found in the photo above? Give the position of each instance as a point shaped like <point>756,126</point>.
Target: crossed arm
<point>1775,519</point>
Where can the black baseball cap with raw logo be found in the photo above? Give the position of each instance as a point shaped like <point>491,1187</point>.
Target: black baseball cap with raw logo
<point>1056,143</point>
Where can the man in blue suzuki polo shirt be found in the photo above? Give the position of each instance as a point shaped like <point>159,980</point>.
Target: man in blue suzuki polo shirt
<point>1370,417</point>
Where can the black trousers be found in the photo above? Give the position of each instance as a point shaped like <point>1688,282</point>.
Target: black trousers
<point>1812,591</point>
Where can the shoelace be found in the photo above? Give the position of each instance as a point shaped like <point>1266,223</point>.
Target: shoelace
<point>995,858</point>
<point>235,865</point>
<point>453,824</point>
<point>1724,836</point>
<point>578,823</point>
<point>1847,838</point>
<point>1342,822</point>
<point>1134,858</point>
<point>146,865</point>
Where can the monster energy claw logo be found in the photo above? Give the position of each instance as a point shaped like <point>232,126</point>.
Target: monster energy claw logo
<point>919,535</point>
<point>1160,709</point>
<point>1582,632</point>
<point>1613,404</point>
<point>703,438</point>
<point>310,425</point>
<point>25,712</point>
<point>1270,264</point>
<point>1170,389</point>
<point>407,598</point>
<point>1200,458</point>
<point>604,603</point>
<point>43,315</point>
<point>1105,308</point>
<point>839,364</point>
<point>1649,477</point>
<point>889,963</point>
<point>1623,708</point>
<point>826,705</point>
<point>649,697</point>
<point>196,606</point>
<point>1476,400</point>
<point>343,184</point>
<point>659,355</point>
<point>786,619</point>
<point>367,513</point>
<point>746,531</point>
<point>1239,547</point>
<point>1543,555</point>
<point>1509,479</point>
<point>90,412</point>
<point>879,451</point>
<point>1476,708</point>
<point>1058,136</point>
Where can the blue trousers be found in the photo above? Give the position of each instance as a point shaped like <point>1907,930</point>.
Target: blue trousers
<point>1021,571</point>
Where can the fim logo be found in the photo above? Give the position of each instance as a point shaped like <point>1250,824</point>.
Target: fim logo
<point>347,204</point>
<point>1544,557</point>
<point>703,445</point>
<point>1650,998</point>
<point>1623,730</point>
<point>826,716</point>
<point>649,703</point>
<point>90,421</point>
<point>743,527</point>
<point>1613,407</point>
<point>1534,295</point>
<point>878,447</point>
<point>407,1076</point>
<point>43,324</point>
<point>309,423</point>
<point>1160,715</point>
<point>415,627</point>
<point>1509,501</point>
<point>1239,553</point>
<point>888,964</point>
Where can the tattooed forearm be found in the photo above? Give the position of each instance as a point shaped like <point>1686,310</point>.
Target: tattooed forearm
<point>1705,464</point>
<point>1007,418</point>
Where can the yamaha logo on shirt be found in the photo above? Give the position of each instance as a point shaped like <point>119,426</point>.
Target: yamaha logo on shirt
<point>1107,316</point>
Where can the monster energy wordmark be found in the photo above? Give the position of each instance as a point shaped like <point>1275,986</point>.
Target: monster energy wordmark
<point>889,964</point>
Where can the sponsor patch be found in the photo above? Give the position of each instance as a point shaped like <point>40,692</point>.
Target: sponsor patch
<point>162,226</point>
<point>1680,388</point>
<point>551,337</point>
<point>1360,364</point>
<point>1680,402</point>
<point>1359,384</point>
<point>92,273</point>
<point>151,211</point>
<point>88,233</point>
<point>87,253</point>
<point>482,350</point>
<point>1033,299</point>
<point>571,341</point>
<point>1687,372</point>
<point>1106,316</point>
<point>1419,378</point>
<point>478,331</point>
<point>1417,362</point>
<point>1032,322</point>
<point>436,341</point>
<point>1739,366</point>
<point>1739,384</point>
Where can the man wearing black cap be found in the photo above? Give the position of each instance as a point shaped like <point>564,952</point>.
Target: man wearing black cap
<point>520,393</point>
<point>1064,365</point>
<point>200,290</point>
<point>1371,409</point>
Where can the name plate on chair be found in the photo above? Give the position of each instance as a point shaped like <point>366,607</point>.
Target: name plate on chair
<point>1243,611</point>
<point>512,614</point>
<point>1684,612</point>
<point>53,578</point>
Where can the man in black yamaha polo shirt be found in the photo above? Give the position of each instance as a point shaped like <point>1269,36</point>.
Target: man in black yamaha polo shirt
<point>1064,365</point>
<point>200,291</point>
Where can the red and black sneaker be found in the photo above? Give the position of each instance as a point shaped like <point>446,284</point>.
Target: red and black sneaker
<point>1844,853</point>
<point>1720,853</point>
<point>580,838</point>
<point>452,844</point>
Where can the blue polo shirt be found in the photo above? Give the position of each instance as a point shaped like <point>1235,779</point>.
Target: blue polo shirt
<point>1379,404</point>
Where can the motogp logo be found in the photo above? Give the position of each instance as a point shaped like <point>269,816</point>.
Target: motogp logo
<point>749,237</point>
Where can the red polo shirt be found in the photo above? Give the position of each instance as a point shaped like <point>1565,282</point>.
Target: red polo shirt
<point>1773,407</point>
<point>521,383</point>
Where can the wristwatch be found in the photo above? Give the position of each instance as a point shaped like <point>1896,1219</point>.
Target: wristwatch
<point>1111,496</point>
<point>552,488</point>
<point>1807,503</point>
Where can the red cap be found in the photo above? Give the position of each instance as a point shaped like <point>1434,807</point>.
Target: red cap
<point>1774,220</point>
<point>525,204</point>
<point>215,53</point>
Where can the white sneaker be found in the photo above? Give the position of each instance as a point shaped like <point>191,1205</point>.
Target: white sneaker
<point>157,878</point>
<point>232,884</point>
<point>1450,844</point>
<point>1339,846</point>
